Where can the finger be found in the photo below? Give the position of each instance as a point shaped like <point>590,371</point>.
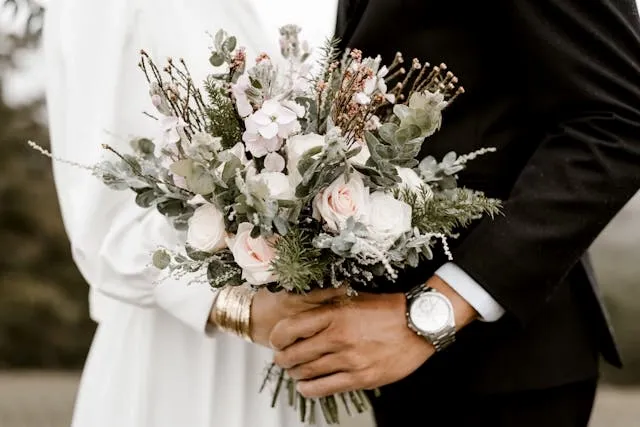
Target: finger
<point>300,326</point>
<point>303,351</point>
<point>328,364</point>
<point>340,382</point>
<point>320,296</point>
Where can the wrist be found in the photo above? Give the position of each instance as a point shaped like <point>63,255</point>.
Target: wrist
<point>231,310</point>
<point>464,313</point>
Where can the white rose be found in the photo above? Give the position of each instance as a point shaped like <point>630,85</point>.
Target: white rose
<point>388,218</point>
<point>278,185</point>
<point>296,147</point>
<point>207,231</point>
<point>253,256</point>
<point>341,201</point>
<point>410,179</point>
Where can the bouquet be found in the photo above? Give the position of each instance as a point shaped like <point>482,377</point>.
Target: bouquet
<point>297,178</point>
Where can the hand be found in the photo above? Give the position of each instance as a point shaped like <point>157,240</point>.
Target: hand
<point>269,308</point>
<point>358,344</point>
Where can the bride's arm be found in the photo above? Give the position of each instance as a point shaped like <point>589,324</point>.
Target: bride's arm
<point>111,237</point>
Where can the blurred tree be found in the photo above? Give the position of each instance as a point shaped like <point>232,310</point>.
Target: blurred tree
<point>44,321</point>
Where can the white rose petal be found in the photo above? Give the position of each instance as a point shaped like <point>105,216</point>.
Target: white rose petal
<point>278,185</point>
<point>253,256</point>
<point>207,231</point>
<point>341,201</point>
<point>388,218</point>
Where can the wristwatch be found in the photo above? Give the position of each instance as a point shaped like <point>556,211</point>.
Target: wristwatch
<point>430,315</point>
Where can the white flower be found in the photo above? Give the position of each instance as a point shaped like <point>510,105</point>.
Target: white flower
<point>297,146</point>
<point>375,84</point>
<point>410,179</point>
<point>278,185</point>
<point>253,256</point>
<point>274,162</point>
<point>342,200</point>
<point>207,231</point>
<point>239,91</point>
<point>171,131</point>
<point>269,125</point>
<point>388,218</point>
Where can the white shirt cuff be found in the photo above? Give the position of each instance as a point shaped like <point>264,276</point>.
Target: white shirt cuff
<point>488,309</point>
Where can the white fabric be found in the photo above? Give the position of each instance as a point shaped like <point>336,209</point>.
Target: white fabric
<point>487,307</point>
<point>152,363</point>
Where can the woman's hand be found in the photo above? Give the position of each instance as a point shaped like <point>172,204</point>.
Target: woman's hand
<point>269,308</point>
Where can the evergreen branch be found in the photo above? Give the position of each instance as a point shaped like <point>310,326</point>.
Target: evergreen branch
<point>444,212</point>
<point>299,264</point>
<point>223,119</point>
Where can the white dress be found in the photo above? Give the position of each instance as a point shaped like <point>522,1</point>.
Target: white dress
<point>152,362</point>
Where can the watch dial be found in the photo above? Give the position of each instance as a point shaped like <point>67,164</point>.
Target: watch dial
<point>430,313</point>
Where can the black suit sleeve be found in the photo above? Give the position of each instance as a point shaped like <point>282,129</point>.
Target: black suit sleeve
<point>581,67</point>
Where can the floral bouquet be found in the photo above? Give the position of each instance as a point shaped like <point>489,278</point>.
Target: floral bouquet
<point>294,179</point>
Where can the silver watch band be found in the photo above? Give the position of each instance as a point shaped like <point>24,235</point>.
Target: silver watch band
<point>447,336</point>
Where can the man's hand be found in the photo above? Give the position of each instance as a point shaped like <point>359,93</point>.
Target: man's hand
<point>269,308</point>
<point>357,344</point>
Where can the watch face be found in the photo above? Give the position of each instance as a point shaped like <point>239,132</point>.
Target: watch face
<point>430,313</point>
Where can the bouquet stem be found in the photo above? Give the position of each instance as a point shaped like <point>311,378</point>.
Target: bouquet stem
<point>307,407</point>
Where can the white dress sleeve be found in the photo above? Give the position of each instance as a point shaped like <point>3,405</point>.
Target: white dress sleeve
<point>96,95</point>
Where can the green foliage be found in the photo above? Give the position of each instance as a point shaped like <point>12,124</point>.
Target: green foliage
<point>223,119</point>
<point>444,212</point>
<point>299,265</point>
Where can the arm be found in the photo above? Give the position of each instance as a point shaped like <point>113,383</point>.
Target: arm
<point>586,55</point>
<point>585,75</point>
<point>111,237</point>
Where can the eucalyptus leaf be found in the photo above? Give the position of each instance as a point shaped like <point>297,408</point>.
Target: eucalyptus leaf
<point>219,39</point>
<point>161,259</point>
<point>412,258</point>
<point>144,146</point>
<point>407,133</point>
<point>229,44</point>
<point>182,167</point>
<point>216,59</point>
<point>388,132</point>
<point>196,255</point>
<point>230,167</point>
<point>255,232</point>
<point>201,181</point>
<point>146,199</point>
<point>282,225</point>
<point>171,208</point>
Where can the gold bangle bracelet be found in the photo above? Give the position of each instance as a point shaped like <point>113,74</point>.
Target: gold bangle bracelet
<point>232,310</point>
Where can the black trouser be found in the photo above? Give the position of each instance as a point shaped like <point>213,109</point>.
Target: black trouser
<point>564,406</point>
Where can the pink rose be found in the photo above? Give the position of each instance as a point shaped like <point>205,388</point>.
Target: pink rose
<point>341,201</point>
<point>253,256</point>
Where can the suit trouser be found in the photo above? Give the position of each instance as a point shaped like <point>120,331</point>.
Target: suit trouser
<point>563,406</point>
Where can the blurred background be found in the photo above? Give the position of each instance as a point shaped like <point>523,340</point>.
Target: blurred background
<point>45,330</point>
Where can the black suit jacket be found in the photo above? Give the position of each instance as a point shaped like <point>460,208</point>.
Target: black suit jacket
<point>554,85</point>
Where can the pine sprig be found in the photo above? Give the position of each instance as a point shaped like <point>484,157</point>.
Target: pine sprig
<point>223,119</point>
<point>299,264</point>
<point>444,212</point>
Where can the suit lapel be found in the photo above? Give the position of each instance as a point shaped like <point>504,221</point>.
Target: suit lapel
<point>349,15</point>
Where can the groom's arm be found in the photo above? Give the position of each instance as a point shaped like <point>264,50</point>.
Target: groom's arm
<point>584,76</point>
<point>583,73</point>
